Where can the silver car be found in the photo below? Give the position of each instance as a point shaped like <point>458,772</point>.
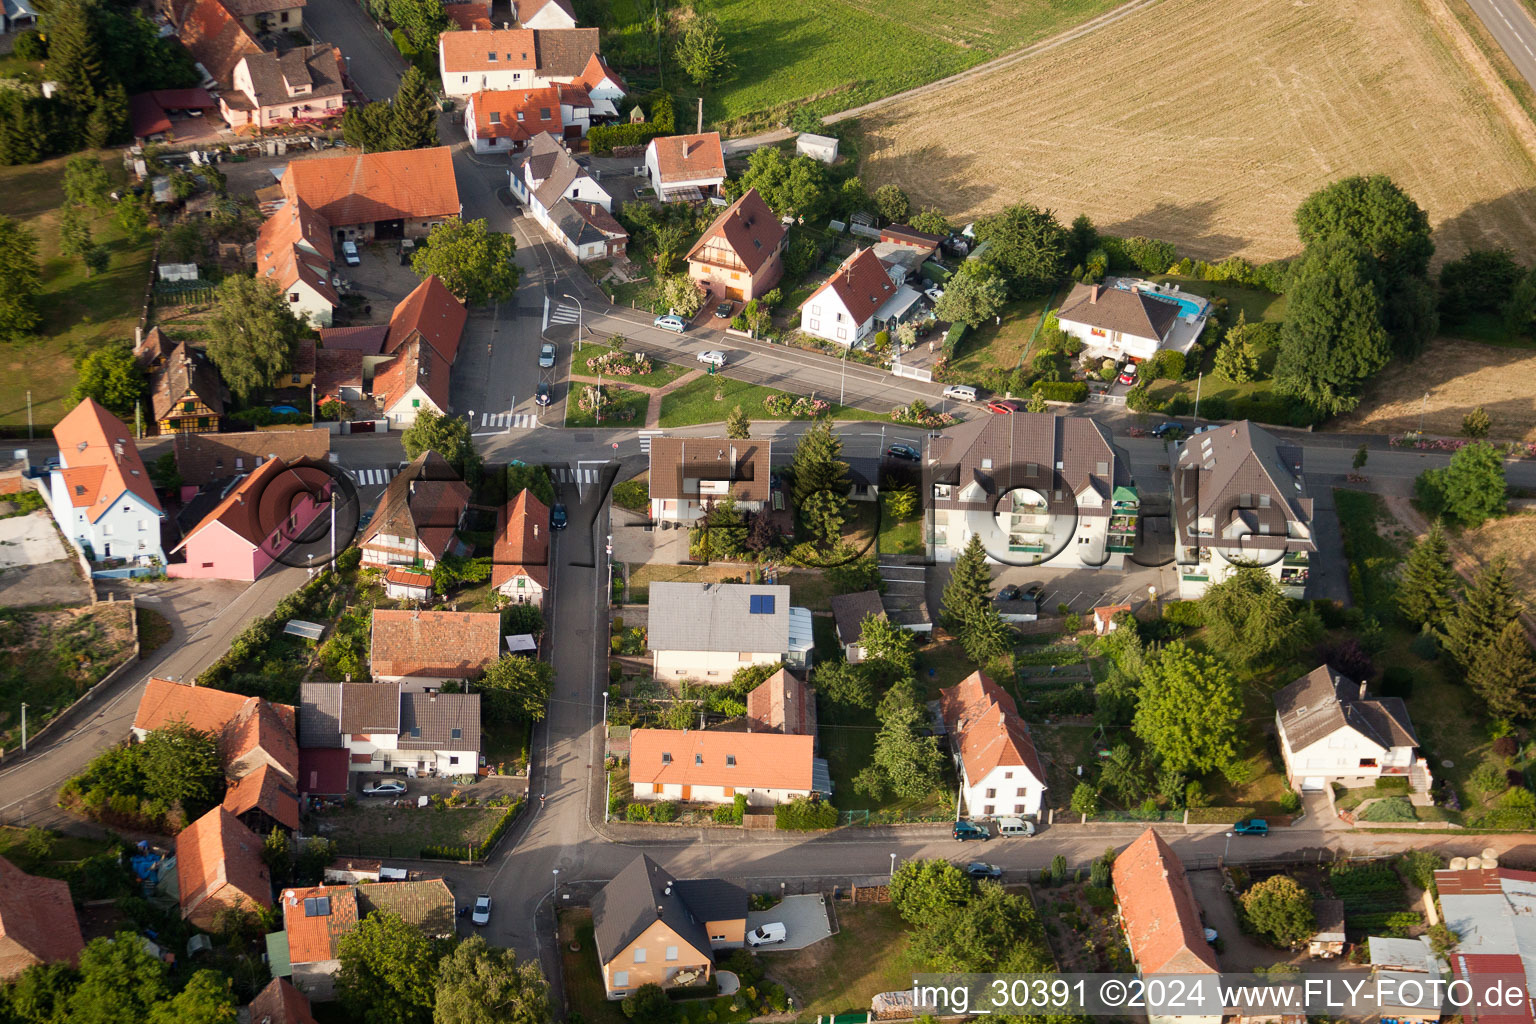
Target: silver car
<point>546,355</point>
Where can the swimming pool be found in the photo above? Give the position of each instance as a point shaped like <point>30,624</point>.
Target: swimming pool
<point>1187,307</point>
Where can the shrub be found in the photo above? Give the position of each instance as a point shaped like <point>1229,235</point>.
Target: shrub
<point>1290,801</point>
<point>1061,390</point>
<point>804,815</point>
<point>666,810</point>
<point>1214,408</point>
<point>602,138</point>
<point>1218,815</point>
<point>1149,255</point>
<point>30,46</point>
<point>1167,364</point>
<point>1392,808</point>
<point>637,812</point>
<point>1186,614</point>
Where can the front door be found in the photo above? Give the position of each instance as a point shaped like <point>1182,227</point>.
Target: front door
<point>687,791</point>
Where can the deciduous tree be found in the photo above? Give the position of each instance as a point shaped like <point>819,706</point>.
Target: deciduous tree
<point>701,51</point>
<point>474,263</point>
<point>517,687</point>
<point>971,298</point>
<point>845,684</point>
<point>909,760</point>
<point>120,981</point>
<point>86,183</point>
<point>182,765</point>
<point>1248,619</point>
<point>892,204</point>
<point>931,221</point>
<point>1280,910</point>
<point>422,21</point>
<point>446,435</point>
<point>388,971</point>
<point>207,999</point>
<point>1333,339</point>
<point>997,930</point>
<point>252,334</point>
<point>480,984</point>
<point>924,889</point>
<point>109,375</point>
<point>1375,213</point>
<point>887,642</point>
<point>1188,710</point>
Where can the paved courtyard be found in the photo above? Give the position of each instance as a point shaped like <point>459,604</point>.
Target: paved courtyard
<point>36,567</point>
<point>804,918</point>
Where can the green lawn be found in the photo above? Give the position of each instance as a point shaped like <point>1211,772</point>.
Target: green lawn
<point>623,407</point>
<point>844,972</point>
<point>661,373</point>
<point>899,536</point>
<point>506,745</point>
<point>695,403</point>
<point>374,829</point>
<point>786,52</point>
<point>993,347</point>
<point>49,659</point>
<point>1257,303</point>
<point>583,980</point>
<point>79,313</point>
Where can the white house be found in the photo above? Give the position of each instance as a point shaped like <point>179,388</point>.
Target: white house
<point>550,174</point>
<point>1125,319</point>
<point>545,14</point>
<point>706,631</point>
<point>520,559</point>
<point>294,252</point>
<point>1036,488</point>
<point>1000,771</point>
<point>101,495</point>
<point>514,58</point>
<point>685,166</point>
<point>1331,732</point>
<point>587,231</point>
<point>1238,501</point>
<point>864,294</point>
<point>385,730</point>
<point>687,474</point>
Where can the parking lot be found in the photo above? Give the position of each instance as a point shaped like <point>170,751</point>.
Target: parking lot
<point>804,919</point>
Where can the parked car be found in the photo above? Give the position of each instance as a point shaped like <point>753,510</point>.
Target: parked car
<point>965,831</point>
<point>1128,375</point>
<point>1015,827</point>
<point>712,358</point>
<point>1166,428</point>
<point>388,787</point>
<point>407,250</point>
<point>482,911</point>
<point>542,395</point>
<point>558,520</point>
<point>1004,406</point>
<point>768,934</point>
<point>960,393</point>
<point>723,311</point>
<point>1010,593</point>
<point>546,355</point>
<point>675,324</point>
<point>980,869</point>
<point>350,254</point>
<point>904,451</point>
<point>1033,591</point>
<point>1251,827</point>
<point>935,293</point>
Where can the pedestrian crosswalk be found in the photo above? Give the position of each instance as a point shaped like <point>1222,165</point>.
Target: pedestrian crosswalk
<point>580,475</point>
<point>373,477</point>
<point>509,420</point>
<point>564,314</point>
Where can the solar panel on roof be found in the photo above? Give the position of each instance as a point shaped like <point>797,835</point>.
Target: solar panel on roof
<point>761,604</point>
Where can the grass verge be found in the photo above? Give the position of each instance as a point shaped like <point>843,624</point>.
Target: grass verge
<point>695,403</point>
<point>623,406</point>
<point>374,829</point>
<point>661,373</point>
<point>845,971</point>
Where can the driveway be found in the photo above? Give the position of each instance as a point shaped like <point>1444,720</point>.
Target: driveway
<point>1240,952</point>
<point>803,917</point>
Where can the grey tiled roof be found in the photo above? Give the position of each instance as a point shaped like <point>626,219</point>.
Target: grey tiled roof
<point>714,899</point>
<point>437,716</point>
<point>716,617</point>
<point>849,610</point>
<point>1239,471</point>
<point>370,707</point>
<point>428,905</point>
<point>1057,456</point>
<point>1324,701</point>
<point>640,894</point>
<point>320,715</point>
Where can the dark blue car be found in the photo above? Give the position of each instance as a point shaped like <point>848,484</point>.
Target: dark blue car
<point>557,518</point>
<point>965,830</point>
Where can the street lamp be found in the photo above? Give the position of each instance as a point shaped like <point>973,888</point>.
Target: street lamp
<point>842,386</point>
<point>893,867</point>
<point>580,314</point>
<point>1225,848</point>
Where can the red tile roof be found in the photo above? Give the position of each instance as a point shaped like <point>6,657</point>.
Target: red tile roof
<point>265,499</point>
<point>337,368</point>
<point>266,789</point>
<point>1487,972</point>
<point>527,9</point>
<point>102,460</point>
<point>763,760</point>
<point>1476,882</point>
<point>294,244</point>
<point>266,729</point>
<point>438,645</point>
<point>406,578</point>
<point>432,312</point>
<point>782,703</point>
<point>1158,910</point>
<point>469,17</point>
<point>984,720</point>
<point>280,1003</point>
<point>216,856</point>
<point>425,500</point>
<point>747,228</point>
<point>860,283</point>
<point>312,936</point>
<point>502,49</point>
<point>323,772</point>
<point>540,110</point>
<point>215,37</point>
<point>414,363</point>
<point>598,69</point>
<point>522,541</point>
<point>414,184</point>
<point>201,707</point>
<point>368,339</point>
<point>689,157</point>
<point>37,919</point>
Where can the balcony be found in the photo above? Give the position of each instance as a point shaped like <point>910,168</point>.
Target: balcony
<point>1297,558</point>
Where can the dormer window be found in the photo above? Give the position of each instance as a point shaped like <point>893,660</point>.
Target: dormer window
<point>698,759</point>
<point>543,113</point>
<point>495,117</point>
<point>666,758</point>
<point>730,760</point>
<point>519,115</point>
<point>490,58</point>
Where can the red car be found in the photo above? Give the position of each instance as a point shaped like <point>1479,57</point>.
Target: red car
<point>1004,406</point>
<point>1128,375</point>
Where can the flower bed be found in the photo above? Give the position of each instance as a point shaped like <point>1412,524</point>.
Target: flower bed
<point>920,415</point>
<point>621,364</point>
<point>789,406</point>
<point>1511,449</point>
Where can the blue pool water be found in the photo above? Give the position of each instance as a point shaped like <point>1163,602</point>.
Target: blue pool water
<point>1187,307</point>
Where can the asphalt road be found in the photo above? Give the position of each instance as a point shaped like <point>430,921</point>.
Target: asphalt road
<point>1510,24</point>
<point>373,63</point>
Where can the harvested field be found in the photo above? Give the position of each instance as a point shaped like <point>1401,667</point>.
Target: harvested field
<point>1512,538</point>
<point>1458,375</point>
<point>1219,118</point>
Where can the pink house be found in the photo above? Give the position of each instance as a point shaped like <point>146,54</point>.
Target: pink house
<point>255,523</point>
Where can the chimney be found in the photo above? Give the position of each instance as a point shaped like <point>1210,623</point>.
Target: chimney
<point>1093,294</point>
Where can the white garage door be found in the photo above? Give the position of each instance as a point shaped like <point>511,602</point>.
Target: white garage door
<point>1312,785</point>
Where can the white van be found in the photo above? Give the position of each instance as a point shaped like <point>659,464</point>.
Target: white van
<point>1015,827</point>
<point>960,392</point>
